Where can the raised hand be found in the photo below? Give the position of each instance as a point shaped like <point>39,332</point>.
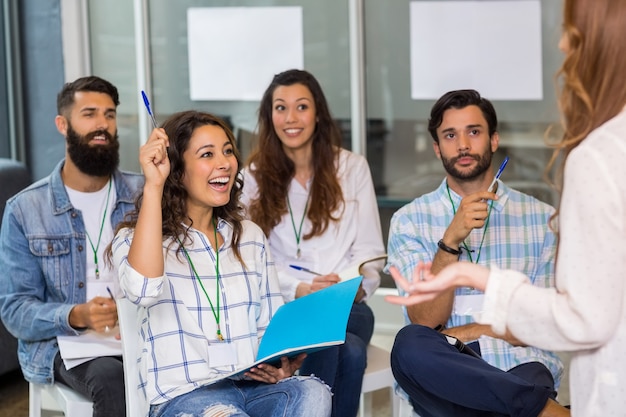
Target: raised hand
<point>153,158</point>
<point>471,214</point>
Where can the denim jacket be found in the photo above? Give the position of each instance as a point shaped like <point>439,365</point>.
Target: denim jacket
<point>43,263</point>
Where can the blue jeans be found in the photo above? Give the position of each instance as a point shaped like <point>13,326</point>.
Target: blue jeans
<point>101,380</point>
<point>441,381</point>
<point>342,367</point>
<point>296,396</point>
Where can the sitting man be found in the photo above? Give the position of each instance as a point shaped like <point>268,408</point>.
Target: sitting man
<point>55,284</point>
<point>463,220</point>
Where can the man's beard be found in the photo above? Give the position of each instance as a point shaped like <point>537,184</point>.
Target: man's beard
<point>484,162</point>
<point>98,160</point>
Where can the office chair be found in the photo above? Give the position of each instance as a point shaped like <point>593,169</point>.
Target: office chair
<point>69,401</point>
<point>377,376</point>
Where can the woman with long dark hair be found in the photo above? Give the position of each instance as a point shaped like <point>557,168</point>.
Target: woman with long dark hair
<point>316,203</point>
<point>204,282</point>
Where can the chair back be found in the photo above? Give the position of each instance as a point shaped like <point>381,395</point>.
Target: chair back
<point>128,318</point>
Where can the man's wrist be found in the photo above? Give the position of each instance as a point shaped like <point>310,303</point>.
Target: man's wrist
<point>448,249</point>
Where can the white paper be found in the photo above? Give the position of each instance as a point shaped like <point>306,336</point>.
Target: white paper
<point>89,345</point>
<point>234,52</point>
<point>493,47</point>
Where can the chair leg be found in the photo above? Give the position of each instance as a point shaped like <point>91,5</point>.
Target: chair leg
<point>34,400</point>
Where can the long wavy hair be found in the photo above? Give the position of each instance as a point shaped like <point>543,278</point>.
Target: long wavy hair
<point>179,128</point>
<point>273,170</point>
<point>593,80</point>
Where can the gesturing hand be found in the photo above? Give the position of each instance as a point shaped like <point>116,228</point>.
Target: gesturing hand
<point>425,286</point>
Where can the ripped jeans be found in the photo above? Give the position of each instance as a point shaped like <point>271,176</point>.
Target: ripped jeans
<point>292,397</point>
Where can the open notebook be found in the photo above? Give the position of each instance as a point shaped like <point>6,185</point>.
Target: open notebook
<point>355,270</point>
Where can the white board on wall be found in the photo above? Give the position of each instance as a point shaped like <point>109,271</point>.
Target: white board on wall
<point>491,46</point>
<point>234,52</point>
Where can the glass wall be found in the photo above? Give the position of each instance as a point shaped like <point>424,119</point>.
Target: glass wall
<point>5,151</point>
<point>399,148</point>
<point>408,166</point>
<point>325,27</point>
<point>112,45</point>
<point>404,162</point>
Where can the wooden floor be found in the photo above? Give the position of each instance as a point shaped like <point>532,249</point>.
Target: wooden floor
<point>13,395</point>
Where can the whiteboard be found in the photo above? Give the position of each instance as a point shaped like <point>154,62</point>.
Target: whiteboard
<point>234,52</point>
<point>493,47</point>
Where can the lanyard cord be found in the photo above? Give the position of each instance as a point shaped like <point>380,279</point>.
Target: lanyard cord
<point>104,216</point>
<point>480,248</point>
<point>293,223</point>
<point>216,312</point>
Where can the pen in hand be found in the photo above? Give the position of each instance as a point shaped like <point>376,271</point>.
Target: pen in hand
<point>493,183</point>
<point>303,269</point>
<point>110,293</point>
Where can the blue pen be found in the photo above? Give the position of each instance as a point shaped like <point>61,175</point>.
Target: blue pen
<point>301,268</point>
<point>110,293</point>
<point>147,103</point>
<point>502,165</point>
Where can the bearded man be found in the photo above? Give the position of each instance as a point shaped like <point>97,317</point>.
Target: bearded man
<point>56,291</point>
<point>465,220</point>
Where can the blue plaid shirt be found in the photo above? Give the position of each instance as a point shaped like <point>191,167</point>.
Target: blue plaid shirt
<point>177,321</point>
<point>517,237</point>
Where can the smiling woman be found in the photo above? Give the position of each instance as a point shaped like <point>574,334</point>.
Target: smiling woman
<point>181,260</point>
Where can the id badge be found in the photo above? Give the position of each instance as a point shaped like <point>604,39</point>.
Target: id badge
<point>222,354</point>
<point>467,305</point>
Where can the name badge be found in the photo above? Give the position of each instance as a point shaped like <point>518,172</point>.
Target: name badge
<point>222,354</point>
<point>467,305</point>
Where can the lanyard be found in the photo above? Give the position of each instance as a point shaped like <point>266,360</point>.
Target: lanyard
<point>216,312</point>
<point>298,233</point>
<point>104,216</point>
<point>469,253</point>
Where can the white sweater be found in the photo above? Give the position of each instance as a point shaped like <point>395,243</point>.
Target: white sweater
<point>586,313</point>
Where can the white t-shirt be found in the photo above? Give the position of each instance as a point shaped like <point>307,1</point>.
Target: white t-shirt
<point>96,210</point>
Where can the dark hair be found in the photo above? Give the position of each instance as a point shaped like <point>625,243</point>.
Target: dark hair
<point>273,170</point>
<point>179,128</point>
<point>65,98</point>
<point>459,99</point>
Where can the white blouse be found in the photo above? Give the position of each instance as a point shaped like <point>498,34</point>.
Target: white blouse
<point>356,237</point>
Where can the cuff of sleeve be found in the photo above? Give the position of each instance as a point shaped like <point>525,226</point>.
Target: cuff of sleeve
<point>136,286</point>
<point>500,289</point>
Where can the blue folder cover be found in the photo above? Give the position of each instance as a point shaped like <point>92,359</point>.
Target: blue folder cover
<point>308,324</point>
<point>318,319</point>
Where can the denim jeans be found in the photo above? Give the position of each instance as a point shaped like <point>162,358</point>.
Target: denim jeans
<point>441,381</point>
<point>101,380</point>
<point>292,397</point>
<point>342,367</point>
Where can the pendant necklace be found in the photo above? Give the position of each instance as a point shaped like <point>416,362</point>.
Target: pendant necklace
<point>469,252</point>
<point>216,311</point>
<point>298,233</point>
<point>95,248</point>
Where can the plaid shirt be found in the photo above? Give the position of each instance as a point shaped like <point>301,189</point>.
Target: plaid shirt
<point>177,322</point>
<point>517,237</point>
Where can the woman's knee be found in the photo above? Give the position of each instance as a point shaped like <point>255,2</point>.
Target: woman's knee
<point>314,396</point>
